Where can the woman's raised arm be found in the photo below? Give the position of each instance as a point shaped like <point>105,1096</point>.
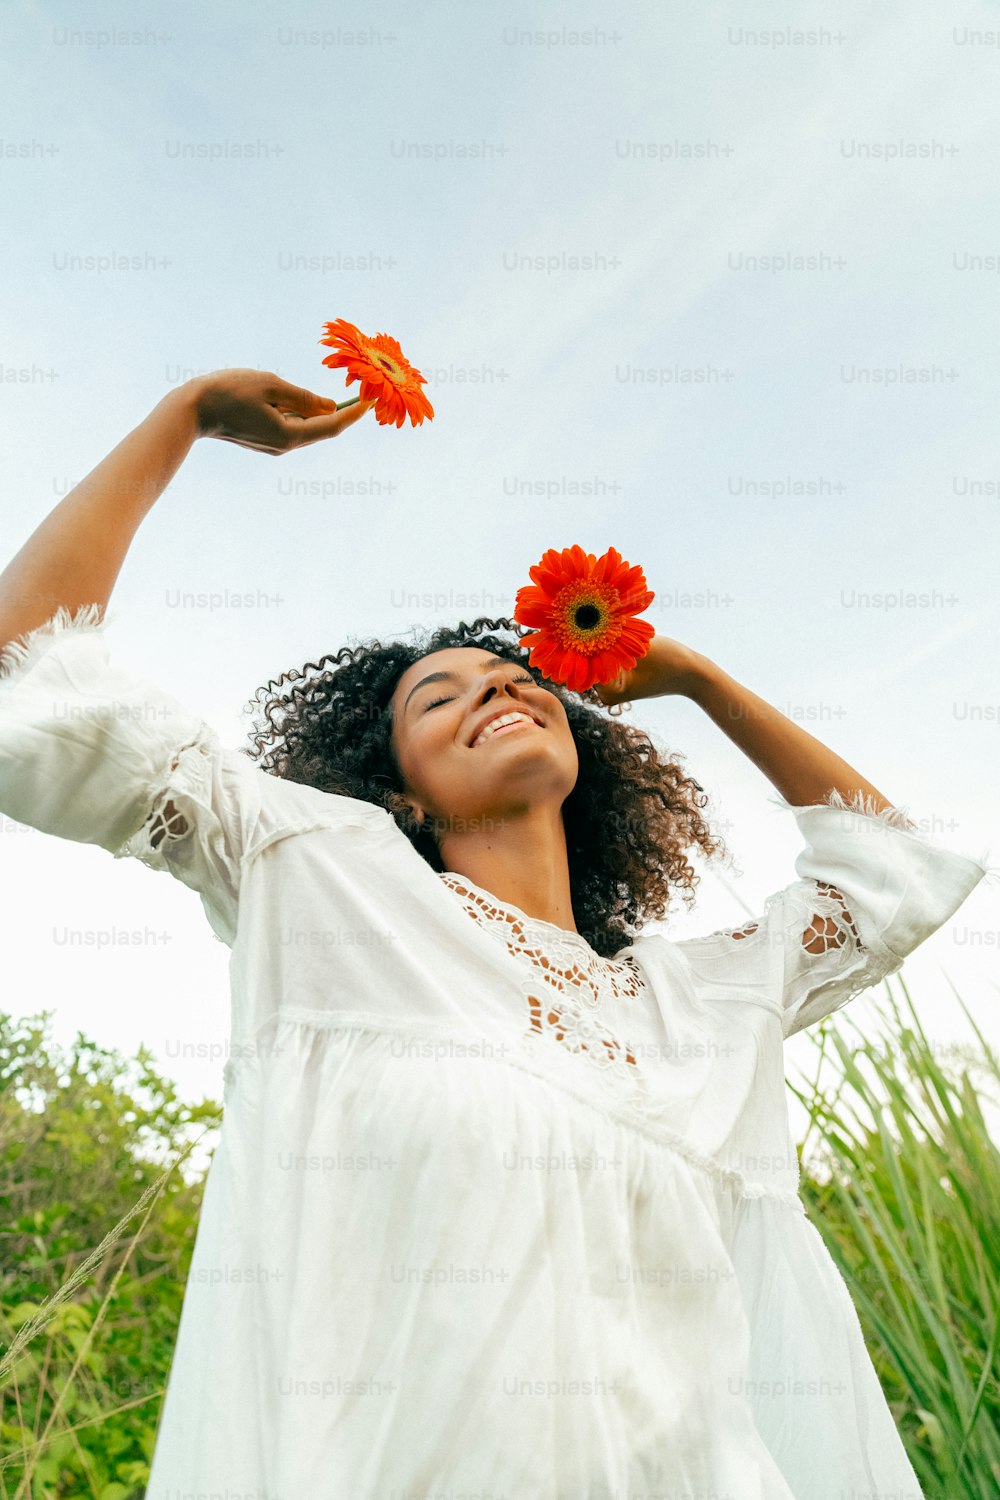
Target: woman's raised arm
<point>800,766</point>
<point>75,555</point>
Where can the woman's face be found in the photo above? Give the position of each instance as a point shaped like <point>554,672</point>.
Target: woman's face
<point>448,777</point>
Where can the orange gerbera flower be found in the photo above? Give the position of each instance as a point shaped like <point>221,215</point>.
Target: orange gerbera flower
<point>585,608</point>
<point>386,376</point>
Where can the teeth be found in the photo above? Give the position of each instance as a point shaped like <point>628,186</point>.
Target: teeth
<point>498,723</point>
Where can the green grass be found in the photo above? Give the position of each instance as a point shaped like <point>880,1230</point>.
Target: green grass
<point>902,1179</point>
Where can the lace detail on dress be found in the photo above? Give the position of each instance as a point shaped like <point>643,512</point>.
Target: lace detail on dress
<point>831,927</point>
<point>166,825</point>
<point>571,970</point>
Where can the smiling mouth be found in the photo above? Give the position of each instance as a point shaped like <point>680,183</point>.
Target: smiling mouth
<point>525,723</point>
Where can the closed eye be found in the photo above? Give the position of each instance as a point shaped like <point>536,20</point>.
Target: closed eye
<point>447,700</point>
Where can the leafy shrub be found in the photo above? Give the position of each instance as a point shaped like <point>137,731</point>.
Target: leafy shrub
<point>85,1141</point>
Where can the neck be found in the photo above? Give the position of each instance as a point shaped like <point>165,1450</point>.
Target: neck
<point>522,863</point>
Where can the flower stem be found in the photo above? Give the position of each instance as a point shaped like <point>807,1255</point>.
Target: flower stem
<point>353,402</point>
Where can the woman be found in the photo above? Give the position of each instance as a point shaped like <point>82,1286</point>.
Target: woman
<point>509,1180</point>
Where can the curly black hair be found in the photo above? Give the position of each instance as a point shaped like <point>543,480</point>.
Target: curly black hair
<point>628,819</point>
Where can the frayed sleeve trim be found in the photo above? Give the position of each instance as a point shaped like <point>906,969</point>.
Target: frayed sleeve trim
<point>865,805</point>
<point>24,651</point>
<point>859,802</point>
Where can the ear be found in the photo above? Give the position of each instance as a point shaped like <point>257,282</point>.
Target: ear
<point>417,813</point>
<point>401,806</point>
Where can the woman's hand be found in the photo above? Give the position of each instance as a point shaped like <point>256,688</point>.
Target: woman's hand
<point>259,410</point>
<point>667,667</point>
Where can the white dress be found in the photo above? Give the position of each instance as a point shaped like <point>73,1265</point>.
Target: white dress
<point>489,1214</point>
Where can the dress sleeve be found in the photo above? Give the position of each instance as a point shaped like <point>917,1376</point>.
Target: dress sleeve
<point>871,889</point>
<point>89,752</point>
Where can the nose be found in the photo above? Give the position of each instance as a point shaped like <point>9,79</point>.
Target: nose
<point>495,682</point>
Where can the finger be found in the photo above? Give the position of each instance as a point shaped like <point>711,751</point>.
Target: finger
<point>295,398</point>
<point>613,689</point>
<point>313,429</point>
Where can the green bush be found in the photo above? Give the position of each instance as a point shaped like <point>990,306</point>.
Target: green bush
<point>86,1140</point>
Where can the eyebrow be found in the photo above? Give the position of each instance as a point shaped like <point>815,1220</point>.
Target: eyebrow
<point>445,676</point>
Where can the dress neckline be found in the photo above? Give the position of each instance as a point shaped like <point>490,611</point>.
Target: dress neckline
<point>564,933</point>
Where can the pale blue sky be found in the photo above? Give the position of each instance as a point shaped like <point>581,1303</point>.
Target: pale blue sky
<point>670,149</point>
